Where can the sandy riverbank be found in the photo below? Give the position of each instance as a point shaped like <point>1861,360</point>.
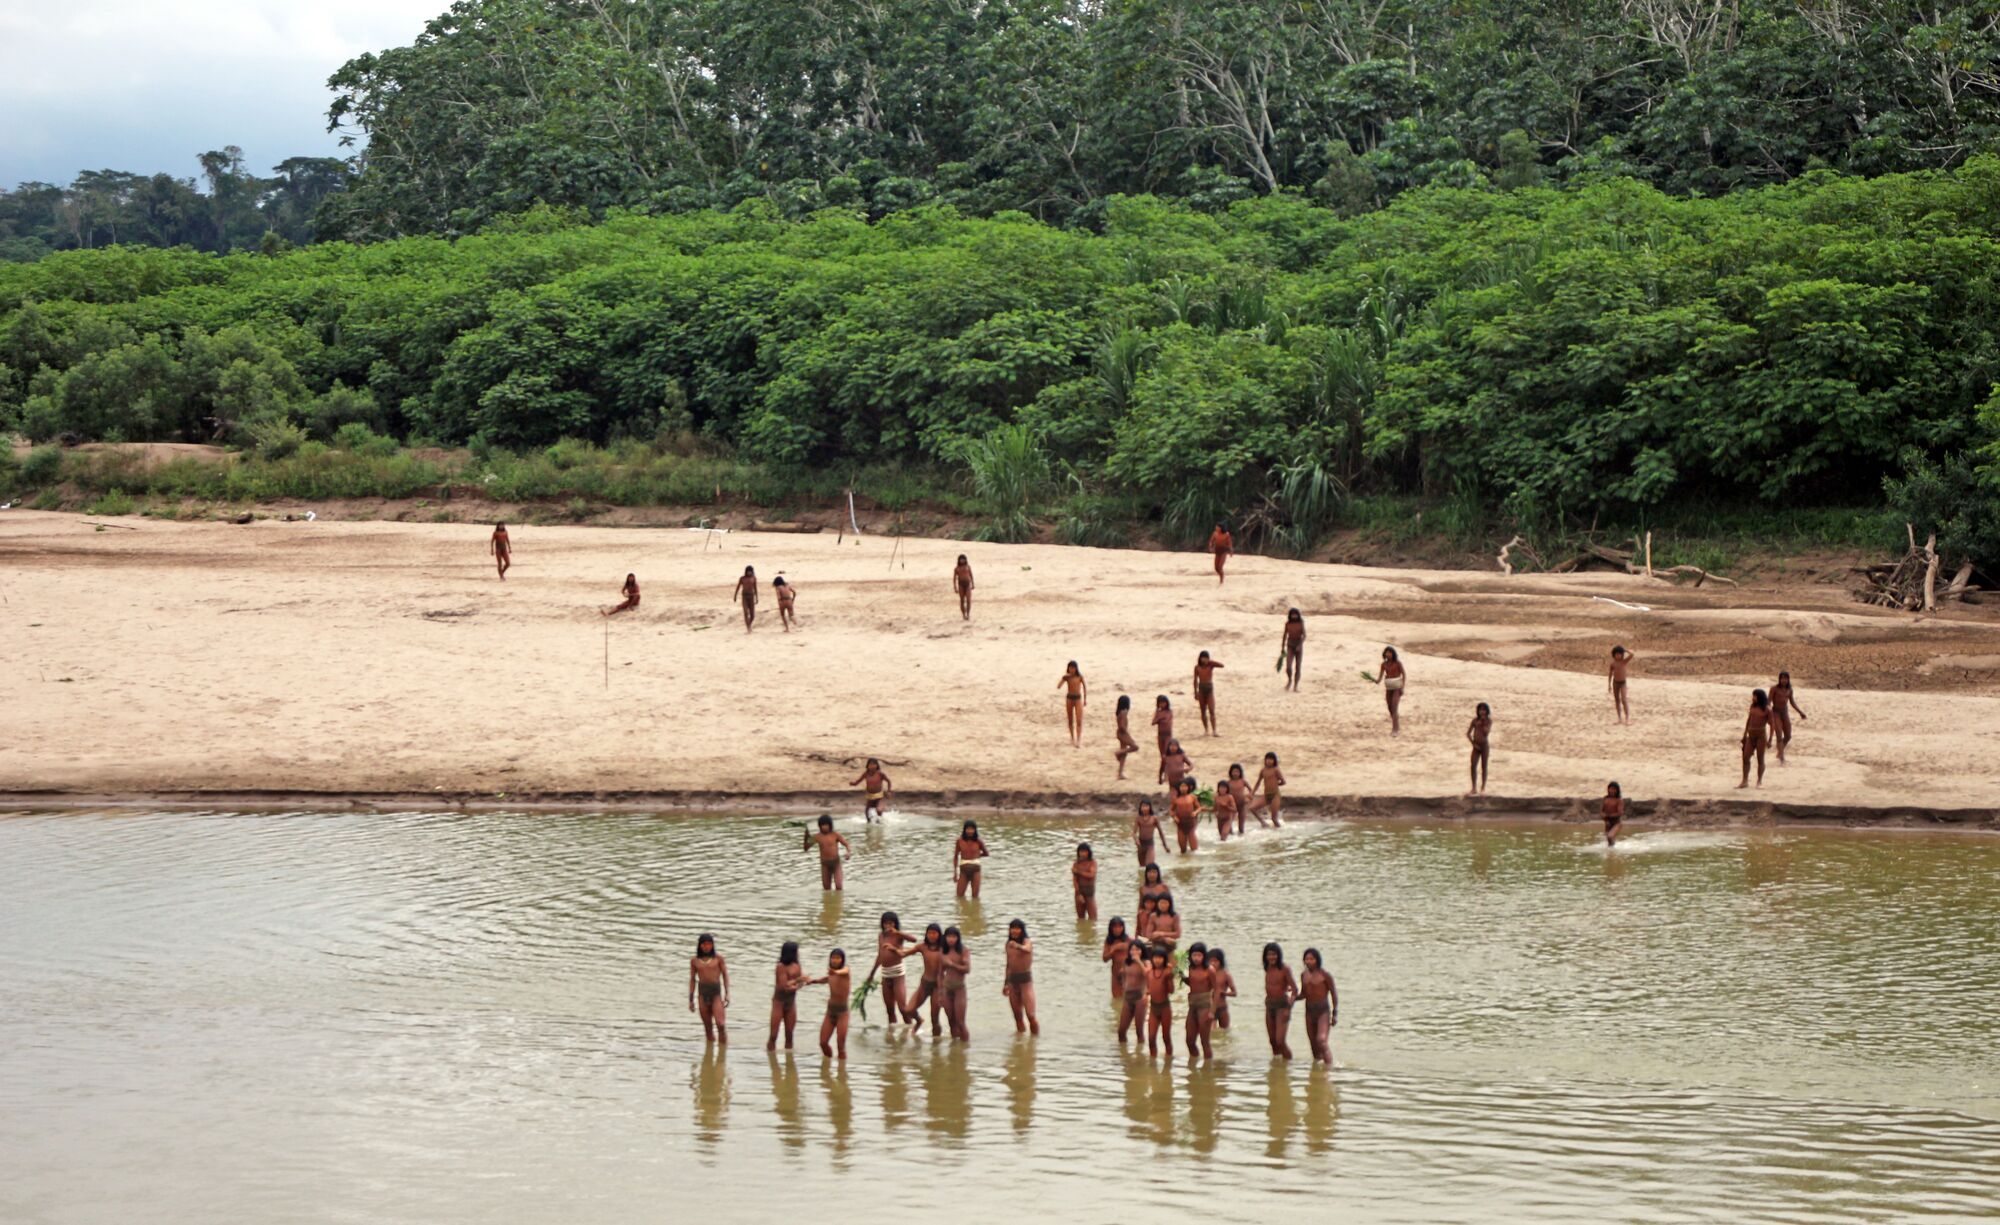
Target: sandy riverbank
<point>192,660</point>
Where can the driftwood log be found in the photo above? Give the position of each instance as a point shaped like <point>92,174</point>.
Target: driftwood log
<point>1911,584</point>
<point>1636,560</point>
<point>797,529</point>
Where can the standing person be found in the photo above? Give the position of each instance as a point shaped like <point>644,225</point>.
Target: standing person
<point>1281,990</point>
<point>1187,816</point>
<point>1152,887</point>
<point>1225,987</point>
<point>1613,812</point>
<point>839,982</point>
<point>1204,692</point>
<point>877,788</point>
<point>746,595</point>
<point>1292,649</point>
<point>1478,734</point>
<point>1226,813</point>
<point>1614,679</point>
<point>1165,932</point>
<point>961,583</point>
<point>1126,745</point>
<point>1073,702</point>
<point>1163,722</point>
<point>1083,880</point>
<point>631,593</point>
<point>1322,1006</point>
<point>1174,767</point>
<point>1239,787</point>
<point>1020,985</point>
<point>502,550</point>
<point>785,995</point>
<point>965,856</point>
<point>1129,979</point>
<point>1116,941</point>
<point>891,946</point>
<point>1393,679</point>
<point>1160,997</point>
<point>708,988</point>
<point>1200,1002</point>
<point>1145,832</point>
<point>1783,703</point>
<point>1270,778</point>
<point>1222,544</point>
<point>954,966</point>
<point>786,594</point>
<point>831,844</point>
<point>932,952</point>
<point>1756,731</point>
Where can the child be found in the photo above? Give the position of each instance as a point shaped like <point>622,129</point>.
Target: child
<point>1621,663</point>
<point>631,593</point>
<point>965,856</point>
<point>1270,778</point>
<point>785,995</point>
<point>1201,1002</point>
<point>1116,942</point>
<point>1239,787</point>
<point>831,845</point>
<point>1165,932</point>
<point>961,582</point>
<point>1151,889</point>
<point>1204,692</point>
<point>1783,703</point>
<point>1613,812</point>
<point>1073,701</point>
<point>1226,813</point>
<point>932,952</point>
<point>890,949</point>
<point>708,988</point>
<point>1163,722</point>
<point>1160,995</point>
<point>954,965</point>
<point>1020,985</point>
<point>1393,680</point>
<point>1187,815</point>
<point>1126,745</point>
<point>786,593</point>
<point>746,595</point>
<point>1292,649</point>
<point>1174,766</point>
<point>1083,879</point>
<point>1477,733</point>
<point>1322,1006</point>
<point>502,549</point>
<point>1131,979</point>
<point>1280,991</point>
<point>1755,732</point>
<point>1145,832</point>
<point>1225,987</point>
<point>878,788</point>
<point>839,981</point>
<point>1222,544</point>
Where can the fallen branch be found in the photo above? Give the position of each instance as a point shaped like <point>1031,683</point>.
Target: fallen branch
<point>123,527</point>
<point>797,529</point>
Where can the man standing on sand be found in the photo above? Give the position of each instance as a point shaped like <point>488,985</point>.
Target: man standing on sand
<point>1222,544</point>
<point>961,582</point>
<point>1621,663</point>
<point>502,550</point>
<point>746,595</point>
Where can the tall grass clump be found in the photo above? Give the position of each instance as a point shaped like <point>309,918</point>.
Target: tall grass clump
<point>1009,470</point>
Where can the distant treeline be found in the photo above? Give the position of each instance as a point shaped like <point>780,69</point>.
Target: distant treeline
<point>1555,353</point>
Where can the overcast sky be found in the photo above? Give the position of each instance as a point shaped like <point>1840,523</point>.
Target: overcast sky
<point>145,85</point>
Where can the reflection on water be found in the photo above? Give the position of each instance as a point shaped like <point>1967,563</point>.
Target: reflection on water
<point>483,1018</point>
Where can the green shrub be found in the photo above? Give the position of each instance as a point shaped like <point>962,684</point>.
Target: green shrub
<point>275,438</point>
<point>115,502</point>
<point>359,439</point>
<point>1009,471</point>
<point>42,468</point>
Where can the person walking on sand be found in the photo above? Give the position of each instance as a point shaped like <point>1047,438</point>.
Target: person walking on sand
<point>1756,732</point>
<point>1222,544</point>
<point>1145,833</point>
<point>1478,734</point>
<point>1281,990</point>
<point>708,988</point>
<point>1613,812</point>
<point>1270,778</point>
<point>1073,701</point>
<point>1204,692</point>
<point>1126,745</point>
<point>1322,1006</point>
<point>1292,649</point>
<point>1783,703</point>
<point>839,982</point>
<point>1392,680</point>
<point>1163,722</point>
<point>892,945</point>
<point>1020,985</point>
<point>961,582</point>
<point>954,967</point>
<point>631,593</point>
<point>1083,881</point>
<point>502,550</point>
<point>785,995</point>
<point>786,594</point>
<point>965,856</point>
<point>831,845</point>
<point>932,953</point>
<point>878,788</point>
<point>1615,678</point>
<point>1201,983</point>
<point>746,595</point>
<point>1160,996</point>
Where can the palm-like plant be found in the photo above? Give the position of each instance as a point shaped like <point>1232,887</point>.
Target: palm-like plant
<point>1009,471</point>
